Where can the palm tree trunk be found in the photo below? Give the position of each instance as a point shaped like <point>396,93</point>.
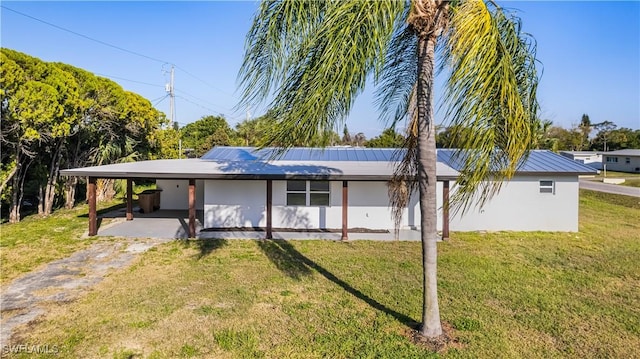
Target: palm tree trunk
<point>431,326</point>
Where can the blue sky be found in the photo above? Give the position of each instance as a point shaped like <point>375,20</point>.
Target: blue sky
<point>590,53</point>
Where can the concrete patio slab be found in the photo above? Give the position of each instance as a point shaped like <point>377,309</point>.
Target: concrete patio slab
<point>173,224</point>
<point>163,224</point>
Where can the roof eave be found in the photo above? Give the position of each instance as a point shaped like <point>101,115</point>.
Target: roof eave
<point>235,176</point>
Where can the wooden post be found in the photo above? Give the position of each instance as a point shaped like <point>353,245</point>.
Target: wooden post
<point>345,210</point>
<point>93,215</point>
<point>445,210</point>
<point>129,199</point>
<point>269,212</point>
<point>192,208</point>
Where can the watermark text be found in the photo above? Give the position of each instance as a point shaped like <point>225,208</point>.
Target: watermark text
<point>30,349</point>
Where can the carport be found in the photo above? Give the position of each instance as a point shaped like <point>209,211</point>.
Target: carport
<point>240,169</point>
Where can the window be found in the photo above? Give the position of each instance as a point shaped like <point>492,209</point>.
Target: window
<point>308,193</point>
<point>627,160</point>
<point>547,187</point>
<point>612,159</point>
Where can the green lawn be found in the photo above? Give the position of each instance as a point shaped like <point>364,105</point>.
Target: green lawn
<point>631,179</point>
<point>633,182</point>
<point>528,295</point>
<point>38,240</point>
<point>614,174</point>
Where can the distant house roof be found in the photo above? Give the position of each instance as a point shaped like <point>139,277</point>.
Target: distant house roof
<point>344,163</point>
<point>628,152</point>
<point>580,153</point>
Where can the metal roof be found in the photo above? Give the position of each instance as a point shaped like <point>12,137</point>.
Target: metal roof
<point>628,152</point>
<point>247,170</point>
<point>539,161</point>
<point>580,153</point>
<point>362,164</point>
<point>303,154</point>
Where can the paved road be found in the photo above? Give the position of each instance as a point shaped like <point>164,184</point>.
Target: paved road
<point>610,188</point>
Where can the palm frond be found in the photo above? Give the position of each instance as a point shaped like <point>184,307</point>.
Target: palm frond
<point>316,58</point>
<point>398,77</point>
<point>490,97</point>
<point>278,27</point>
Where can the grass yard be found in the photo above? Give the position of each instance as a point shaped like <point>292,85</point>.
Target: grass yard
<point>632,182</point>
<point>38,240</point>
<point>615,174</point>
<point>505,294</point>
<point>631,179</point>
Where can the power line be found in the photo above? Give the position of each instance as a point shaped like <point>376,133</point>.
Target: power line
<point>203,81</point>
<point>124,79</point>
<point>158,98</point>
<point>136,54</point>
<point>84,36</point>
<point>162,98</point>
<point>197,98</point>
<point>199,105</point>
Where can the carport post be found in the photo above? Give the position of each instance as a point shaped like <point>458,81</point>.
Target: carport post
<point>269,234</point>
<point>445,210</point>
<point>93,216</point>
<point>345,210</point>
<point>129,199</point>
<point>192,208</point>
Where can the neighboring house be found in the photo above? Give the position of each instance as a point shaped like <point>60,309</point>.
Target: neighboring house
<point>592,159</point>
<point>336,188</point>
<point>622,160</point>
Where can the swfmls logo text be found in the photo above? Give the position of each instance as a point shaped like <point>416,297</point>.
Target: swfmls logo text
<point>29,349</point>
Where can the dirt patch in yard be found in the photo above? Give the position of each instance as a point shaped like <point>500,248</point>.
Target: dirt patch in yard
<point>26,298</point>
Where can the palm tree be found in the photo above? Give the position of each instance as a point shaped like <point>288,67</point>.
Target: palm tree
<point>312,58</point>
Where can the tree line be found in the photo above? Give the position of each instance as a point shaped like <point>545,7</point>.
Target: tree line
<point>200,136</point>
<point>58,116</point>
<point>588,136</point>
<point>585,136</point>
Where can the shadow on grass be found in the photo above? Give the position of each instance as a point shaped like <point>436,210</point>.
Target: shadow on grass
<point>296,265</point>
<point>286,258</point>
<point>205,246</point>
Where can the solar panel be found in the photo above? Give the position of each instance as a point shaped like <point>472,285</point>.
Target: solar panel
<point>538,160</point>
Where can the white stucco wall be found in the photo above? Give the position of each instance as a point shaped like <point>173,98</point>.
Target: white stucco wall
<point>235,203</point>
<point>411,216</point>
<point>521,207</point>
<point>242,203</point>
<point>369,206</point>
<point>622,165</point>
<point>175,194</point>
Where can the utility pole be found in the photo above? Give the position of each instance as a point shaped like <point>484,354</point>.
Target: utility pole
<point>172,99</point>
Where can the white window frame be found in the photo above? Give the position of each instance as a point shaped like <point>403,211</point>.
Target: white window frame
<point>308,192</point>
<point>547,186</point>
<point>612,159</point>
<point>627,160</point>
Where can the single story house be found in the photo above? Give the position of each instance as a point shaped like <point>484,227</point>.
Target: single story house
<point>343,189</point>
<point>622,160</point>
<point>590,158</point>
